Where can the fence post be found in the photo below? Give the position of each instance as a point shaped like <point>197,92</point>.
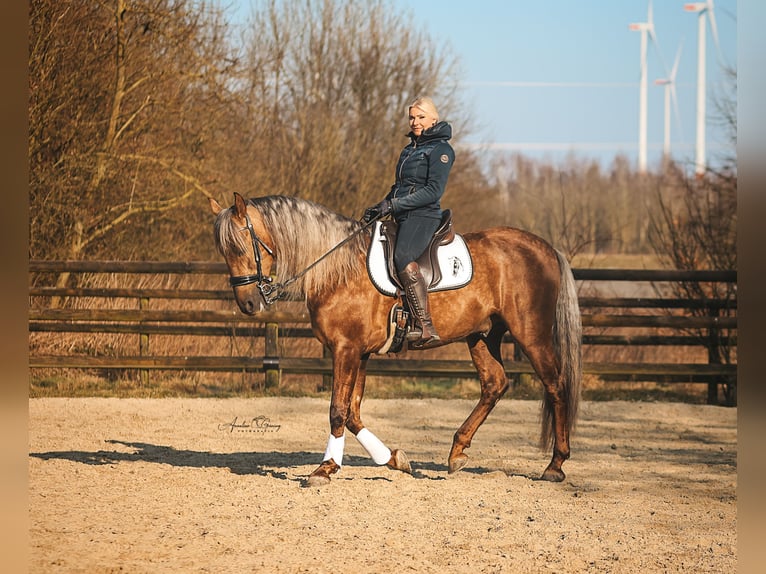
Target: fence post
<point>271,355</point>
<point>143,343</point>
<point>713,356</point>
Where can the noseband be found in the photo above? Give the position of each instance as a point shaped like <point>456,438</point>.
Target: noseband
<point>269,291</point>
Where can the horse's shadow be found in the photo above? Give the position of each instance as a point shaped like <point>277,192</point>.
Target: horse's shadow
<point>269,464</point>
<point>245,463</point>
<point>443,469</point>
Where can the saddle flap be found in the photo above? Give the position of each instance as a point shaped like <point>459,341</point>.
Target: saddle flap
<point>446,262</point>
<point>388,230</point>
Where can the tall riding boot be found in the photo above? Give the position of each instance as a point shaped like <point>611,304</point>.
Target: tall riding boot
<point>416,291</point>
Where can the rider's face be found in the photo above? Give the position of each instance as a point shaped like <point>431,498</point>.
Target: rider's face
<point>420,120</point>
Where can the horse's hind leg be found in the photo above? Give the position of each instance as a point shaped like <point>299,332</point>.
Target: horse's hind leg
<point>555,423</point>
<point>485,352</point>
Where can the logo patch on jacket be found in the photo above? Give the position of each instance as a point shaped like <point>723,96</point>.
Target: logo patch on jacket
<point>444,158</point>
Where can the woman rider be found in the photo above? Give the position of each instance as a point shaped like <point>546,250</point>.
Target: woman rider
<point>414,203</point>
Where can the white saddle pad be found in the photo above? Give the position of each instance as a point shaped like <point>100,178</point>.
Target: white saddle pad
<point>454,261</point>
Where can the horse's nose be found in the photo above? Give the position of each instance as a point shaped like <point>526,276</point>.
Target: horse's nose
<point>248,305</point>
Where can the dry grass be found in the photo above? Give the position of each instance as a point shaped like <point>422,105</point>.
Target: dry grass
<point>71,383</point>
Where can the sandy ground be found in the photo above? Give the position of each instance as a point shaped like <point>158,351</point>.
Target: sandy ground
<point>171,485</point>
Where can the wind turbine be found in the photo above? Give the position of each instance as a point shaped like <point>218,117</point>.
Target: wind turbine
<point>646,29</point>
<point>702,8</point>
<point>669,84</point>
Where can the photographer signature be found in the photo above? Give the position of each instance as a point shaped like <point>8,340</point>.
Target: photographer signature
<point>256,424</point>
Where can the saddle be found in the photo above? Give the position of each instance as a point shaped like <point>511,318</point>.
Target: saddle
<point>445,264</point>
<point>428,262</point>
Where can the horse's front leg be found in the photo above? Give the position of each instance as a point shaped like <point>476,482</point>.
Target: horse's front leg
<point>349,375</point>
<point>346,364</point>
<point>379,452</point>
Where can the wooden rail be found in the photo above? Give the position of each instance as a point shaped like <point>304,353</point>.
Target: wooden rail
<point>269,325</point>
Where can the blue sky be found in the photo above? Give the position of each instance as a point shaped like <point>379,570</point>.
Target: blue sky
<point>551,77</point>
<point>564,75</point>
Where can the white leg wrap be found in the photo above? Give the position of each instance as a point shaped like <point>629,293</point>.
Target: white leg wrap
<point>374,446</point>
<point>335,447</point>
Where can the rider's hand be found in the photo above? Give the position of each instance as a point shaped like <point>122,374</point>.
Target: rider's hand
<point>377,211</point>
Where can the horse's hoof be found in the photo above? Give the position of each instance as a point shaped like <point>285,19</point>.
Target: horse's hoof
<point>399,461</point>
<point>457,463</point>
<point>317,480</point>
<point>553,475</point>
<point>321,475</point>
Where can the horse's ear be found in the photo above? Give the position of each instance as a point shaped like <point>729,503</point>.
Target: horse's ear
<point>240,205</point>
<point>215,207</point>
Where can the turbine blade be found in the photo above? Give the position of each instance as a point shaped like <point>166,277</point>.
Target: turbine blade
<point>675,63</point>
<point>676,109</point>
<point>656,44</point>
<point>714,28</point>
<point>653,37</point>
<point>650,22</point>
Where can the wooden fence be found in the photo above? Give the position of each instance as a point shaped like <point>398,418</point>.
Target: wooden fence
<point>615,321</point>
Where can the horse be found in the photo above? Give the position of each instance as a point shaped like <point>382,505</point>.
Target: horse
<point>521,285</point>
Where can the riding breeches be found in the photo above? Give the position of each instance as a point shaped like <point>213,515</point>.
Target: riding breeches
<point>412,239</point>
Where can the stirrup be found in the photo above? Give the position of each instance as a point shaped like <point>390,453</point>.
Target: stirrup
<point>429,343</point>
<point>414,333</point>
<point>422,341</point>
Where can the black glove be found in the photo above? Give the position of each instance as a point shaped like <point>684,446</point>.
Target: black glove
<point>377,211</point>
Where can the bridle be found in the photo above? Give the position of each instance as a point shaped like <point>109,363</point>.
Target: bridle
<point>270,291</point>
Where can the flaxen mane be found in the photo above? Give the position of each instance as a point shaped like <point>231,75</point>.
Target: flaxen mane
<point>303,232</point>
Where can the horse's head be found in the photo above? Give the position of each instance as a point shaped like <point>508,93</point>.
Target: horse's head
<point>247,247</point>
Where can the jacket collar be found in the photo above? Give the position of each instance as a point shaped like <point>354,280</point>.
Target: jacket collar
<point>439,131</point>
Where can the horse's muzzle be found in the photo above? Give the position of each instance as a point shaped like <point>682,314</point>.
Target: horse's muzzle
<point>249,303</point>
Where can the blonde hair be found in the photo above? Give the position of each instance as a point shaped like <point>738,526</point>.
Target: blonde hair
<point>426,104</point>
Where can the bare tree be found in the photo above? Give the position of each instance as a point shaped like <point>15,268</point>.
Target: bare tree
<point>328,85</point>
<point>725,101</point>
<point>123,94</point>
<point>138,106</point>
<point>698,230</point>
<point>574,205</point>
<point>695,227</point>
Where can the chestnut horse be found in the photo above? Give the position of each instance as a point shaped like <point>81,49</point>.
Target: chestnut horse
<point>521,284</point>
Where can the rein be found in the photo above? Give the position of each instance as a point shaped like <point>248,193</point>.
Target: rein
<point>270,291</point>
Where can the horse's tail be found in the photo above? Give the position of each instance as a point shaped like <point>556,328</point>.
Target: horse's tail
<point>567,341</point>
